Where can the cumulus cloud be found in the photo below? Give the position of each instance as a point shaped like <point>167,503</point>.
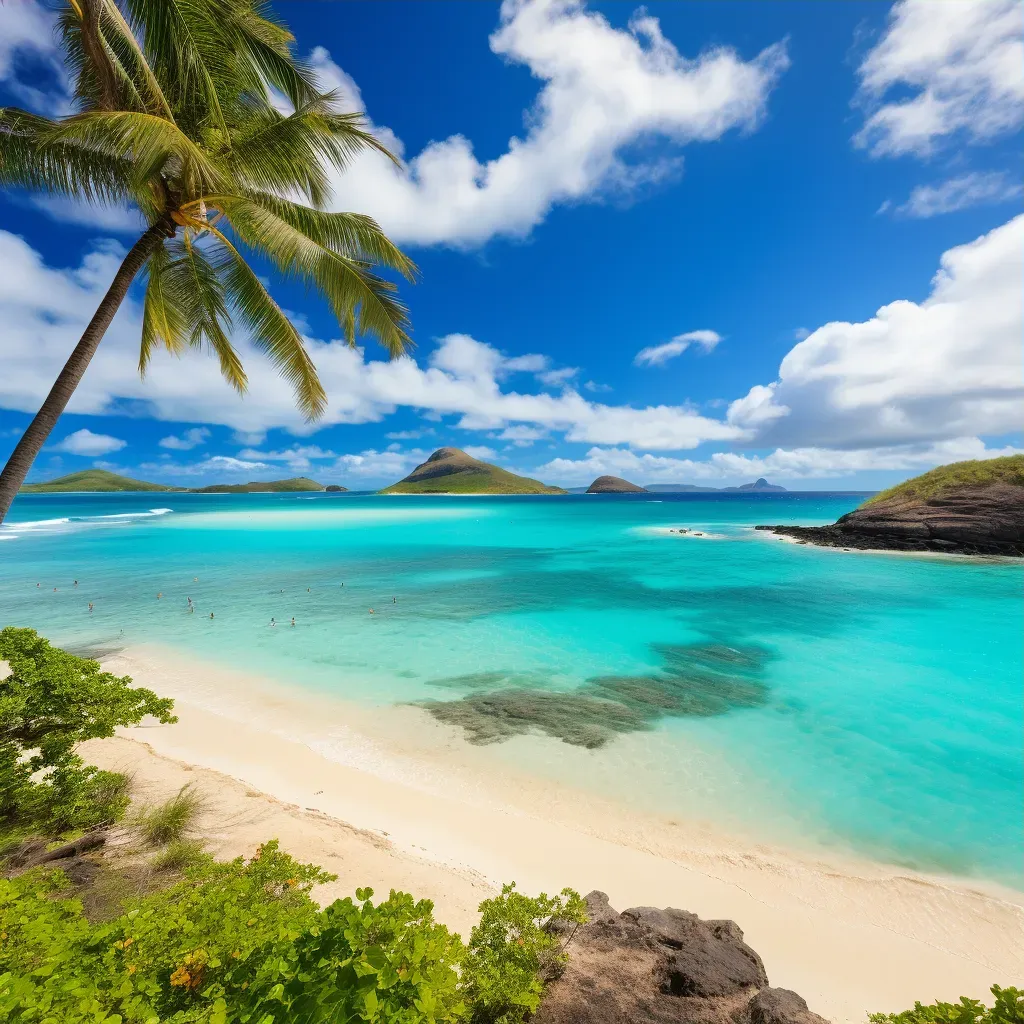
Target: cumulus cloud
<point>944,368</point>
<point>658,355</point>
<point>299,457</point>
<point>27,33</point>
<point>781,464</point>
<point>44,310</point>
<point>219,465</point>
<point>374,465</point>
<point>85,442</point>
<point>604,89</point>
<point>187,441</point>
<point>963,62</point>
<point>979,188</point>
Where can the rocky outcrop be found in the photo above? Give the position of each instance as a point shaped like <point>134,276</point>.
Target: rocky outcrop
<point>970,521</point>
<point>335,489</point>
<point>614,485</point>
<point>649,966</point>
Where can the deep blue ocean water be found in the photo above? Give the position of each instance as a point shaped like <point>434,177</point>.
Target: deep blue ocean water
<point>871,702</point>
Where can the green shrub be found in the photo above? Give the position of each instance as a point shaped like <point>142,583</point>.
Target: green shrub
<point>513,951</point>
<point>49,702</point>
<point>1008,1009</point>
<point>243,943</point>
<point>170,821</point>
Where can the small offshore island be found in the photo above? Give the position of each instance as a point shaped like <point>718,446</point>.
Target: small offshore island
<point>452,471</point>
<point>967,508</point>
<point>102,481</point>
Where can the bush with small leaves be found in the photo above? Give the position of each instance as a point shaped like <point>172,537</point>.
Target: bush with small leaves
<point>1007,1009</point>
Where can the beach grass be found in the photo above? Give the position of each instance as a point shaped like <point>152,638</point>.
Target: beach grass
<point>973,473</point>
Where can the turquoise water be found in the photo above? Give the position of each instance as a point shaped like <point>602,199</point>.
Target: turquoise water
<point>869,702</point>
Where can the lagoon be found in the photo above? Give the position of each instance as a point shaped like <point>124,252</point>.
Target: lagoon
<point>870,703</point>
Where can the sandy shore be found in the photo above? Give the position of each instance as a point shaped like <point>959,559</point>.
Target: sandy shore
<point>394,799</point>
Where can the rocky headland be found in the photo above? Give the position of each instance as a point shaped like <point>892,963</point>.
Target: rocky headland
<point>650,966</point>
<point>614,485</point>
<point>969,508</point>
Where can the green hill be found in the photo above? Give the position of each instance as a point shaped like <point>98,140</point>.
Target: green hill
<point>452,471</point>
<point>296,483</point>
<point>975,473</point>
<point>94,480</point>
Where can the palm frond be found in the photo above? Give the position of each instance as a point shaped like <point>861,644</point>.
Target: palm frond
<point>345,280</point>
<point>271,331</point>
<point>163,317</point>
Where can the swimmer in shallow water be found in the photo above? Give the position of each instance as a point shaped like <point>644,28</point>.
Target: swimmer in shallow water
<point>273,622</point>
<point>211,615</point>
<point>293,620</point>
<point>90,606</point>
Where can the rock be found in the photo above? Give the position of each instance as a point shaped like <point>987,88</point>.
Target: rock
<point>650,966</point>
<point>614,485</point>
<point>967,520</point>
<point>779,1006</point>
<point>335,489</point>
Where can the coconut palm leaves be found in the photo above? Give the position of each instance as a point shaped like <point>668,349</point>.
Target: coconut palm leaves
<point>197,113</point>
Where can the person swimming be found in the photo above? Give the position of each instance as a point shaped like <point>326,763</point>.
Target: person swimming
<point>293,620</point>
<point>158,596</point>
<point>211,615</point>
<point>90,606</point>
<point>273,622</point>
<point>76,583</point>
<point>371,611</point>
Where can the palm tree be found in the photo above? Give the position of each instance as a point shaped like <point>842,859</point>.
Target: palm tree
<point>198,114</point>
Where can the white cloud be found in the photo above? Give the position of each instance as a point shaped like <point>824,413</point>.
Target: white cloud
<point>408,435</point>
<point>800,333</point>
<point>781,464</point>
<point>975,189</point>
<point>947,367</point>
<point>220,465</point>
<point>480,451</point>
<point>964,62</point>
<point>121,220</point>
<point>85,442</point>
<point>558,378</point>
<point>604,89</point>
<point>44,311</point>
<point>27,31</point>
<point>522,436</point>
<point>596,388</point>
<point>298,457</point>
<point>190,439</point>
<point>375,465</point>
<point>658,355</point>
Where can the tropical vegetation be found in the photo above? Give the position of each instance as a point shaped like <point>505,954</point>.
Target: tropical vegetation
<point>974,473</point>
<point>190,939</point>
<point>1008,1008</point>
<point>198,114</point>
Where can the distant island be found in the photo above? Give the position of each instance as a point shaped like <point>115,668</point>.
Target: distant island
<point>760,485</point>
<point>103,481</point>
<point>970,508</point>
<point>614,485</point>
<point>452,471</point>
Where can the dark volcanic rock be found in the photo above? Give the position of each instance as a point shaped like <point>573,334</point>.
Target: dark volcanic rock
<point>648,966</point>
<point>968,521</point>
<point>334,489</point>
<point>614,485</point>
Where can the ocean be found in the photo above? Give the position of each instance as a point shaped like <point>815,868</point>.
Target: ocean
<point>868,703</point>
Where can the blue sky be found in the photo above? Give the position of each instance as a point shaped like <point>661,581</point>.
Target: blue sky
<point>768,189</point>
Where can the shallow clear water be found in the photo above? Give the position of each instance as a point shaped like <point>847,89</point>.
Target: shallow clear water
<point>865,701</point>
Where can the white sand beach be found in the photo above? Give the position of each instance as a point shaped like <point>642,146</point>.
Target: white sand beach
<point>394,799</point>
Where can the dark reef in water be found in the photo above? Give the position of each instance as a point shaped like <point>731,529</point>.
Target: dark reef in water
<point>697,680</point>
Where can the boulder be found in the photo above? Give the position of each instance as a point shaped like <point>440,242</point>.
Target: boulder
<point>651,966</point>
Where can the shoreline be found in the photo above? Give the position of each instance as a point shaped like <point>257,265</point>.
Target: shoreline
<point>850,935</point>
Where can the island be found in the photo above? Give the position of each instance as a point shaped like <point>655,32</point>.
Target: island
<point>968,508</point>
<point>452,471</point>
<point>759,486</point>
<point>100,481</point>
<point>614,485</point>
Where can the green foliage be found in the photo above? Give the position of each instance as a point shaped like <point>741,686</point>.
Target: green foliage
<point>974,473</point>
<point>243,943</point>
<point>49,702</point>
<point>170,821</point>
<point>513,951</point>
<point>1007,1009</point>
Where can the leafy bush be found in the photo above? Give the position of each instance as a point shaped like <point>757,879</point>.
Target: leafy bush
<point>243,943</point>
<point>1008,1009</point>
<point>513,951</point>
<point>170,821</point>
<point>49,702</point>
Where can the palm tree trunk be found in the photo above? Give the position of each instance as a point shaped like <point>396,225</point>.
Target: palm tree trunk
<point>24,454</point>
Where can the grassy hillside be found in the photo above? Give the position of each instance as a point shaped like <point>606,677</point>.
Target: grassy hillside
<point>297,483</point>
<point>94,480</point>
<point>975,473</point>
<point>452,471</point>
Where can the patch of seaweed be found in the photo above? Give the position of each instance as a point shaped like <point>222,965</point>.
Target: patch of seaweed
<point>698,680</point>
